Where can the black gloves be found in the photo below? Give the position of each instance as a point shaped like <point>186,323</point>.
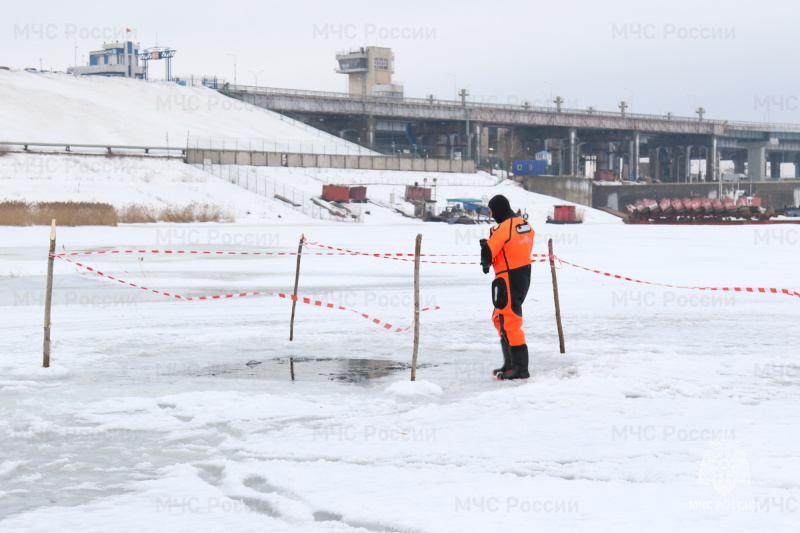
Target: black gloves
<point>486,255</point>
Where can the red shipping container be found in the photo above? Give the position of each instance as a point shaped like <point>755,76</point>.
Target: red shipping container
<point>563,213</point>
<point>358,194</point>
<point>335,193</point>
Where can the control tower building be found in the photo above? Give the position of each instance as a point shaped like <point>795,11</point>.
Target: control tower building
<point>369,70</point>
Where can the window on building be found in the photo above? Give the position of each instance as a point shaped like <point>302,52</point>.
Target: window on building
<point>381,63</point>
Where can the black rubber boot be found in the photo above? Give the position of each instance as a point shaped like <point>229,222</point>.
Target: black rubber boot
<point>506,358</point>
<point>519,360</point>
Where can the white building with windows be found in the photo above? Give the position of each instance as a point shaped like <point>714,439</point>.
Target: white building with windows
<point>115,59</point>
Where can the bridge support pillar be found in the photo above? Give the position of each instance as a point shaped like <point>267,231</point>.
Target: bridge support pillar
<point>617,163</point>
<point>481,142</point>
<point>756,161</point>
<point>635,155</point>
<point>775,160</point>
<point>674,164</point>
<point>712,161</point>
<point>602,157</point>
<point>654,167</point>
<point>573,156</point>
<point>370,127</point>
<point>484,144</point>
<point>688,162</point>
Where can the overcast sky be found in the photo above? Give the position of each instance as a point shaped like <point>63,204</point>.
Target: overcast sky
<point>736,59</point>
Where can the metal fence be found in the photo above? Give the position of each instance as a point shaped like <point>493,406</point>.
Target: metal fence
<point>248,178</point>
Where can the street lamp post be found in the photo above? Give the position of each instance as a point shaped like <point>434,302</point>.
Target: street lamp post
<point>255,74</point>
<point>700,112</point>
<point>75,59</point>
<point>234,68</point>
<point>630,100</point>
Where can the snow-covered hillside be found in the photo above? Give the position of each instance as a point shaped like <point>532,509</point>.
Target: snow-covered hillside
<point>246,193</point>
<point>96,110</point>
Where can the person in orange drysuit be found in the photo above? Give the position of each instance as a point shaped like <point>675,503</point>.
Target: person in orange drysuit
<point>508,251</point>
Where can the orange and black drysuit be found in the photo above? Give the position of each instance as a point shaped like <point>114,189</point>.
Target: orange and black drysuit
<point>508,251</point>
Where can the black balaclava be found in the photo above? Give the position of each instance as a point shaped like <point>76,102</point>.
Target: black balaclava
<point>501,210</point>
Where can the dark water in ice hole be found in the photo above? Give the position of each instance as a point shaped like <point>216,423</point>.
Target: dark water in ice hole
<point>312,369</point>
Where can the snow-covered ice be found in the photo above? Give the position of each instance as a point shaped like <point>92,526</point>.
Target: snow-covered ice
<point>134,428</point>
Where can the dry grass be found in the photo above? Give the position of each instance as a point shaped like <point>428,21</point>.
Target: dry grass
<point>74,214</point>
<point>14,214</point>
<point>138,214</point>
<point>4,150</point>
<point>17,213</point>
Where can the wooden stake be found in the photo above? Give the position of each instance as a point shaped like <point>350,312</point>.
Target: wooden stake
<point>555,295</point>
<point>416,308</point>
<point>49,295</point>
<point>296,282</point>
<point>294,300</point>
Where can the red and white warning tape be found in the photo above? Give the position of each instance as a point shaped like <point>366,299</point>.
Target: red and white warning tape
<point>402,257</point>
<point>187,252</point>
<point>339,251</point>
<point>300,299</point>
<point>761,290</point>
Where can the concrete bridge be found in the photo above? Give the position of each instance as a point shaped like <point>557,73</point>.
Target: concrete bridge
<point>434,128</point>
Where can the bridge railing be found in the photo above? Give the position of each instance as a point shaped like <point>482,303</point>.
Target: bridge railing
<point>754,126</point>
<point>455,103</point>
<point>763,126</point>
